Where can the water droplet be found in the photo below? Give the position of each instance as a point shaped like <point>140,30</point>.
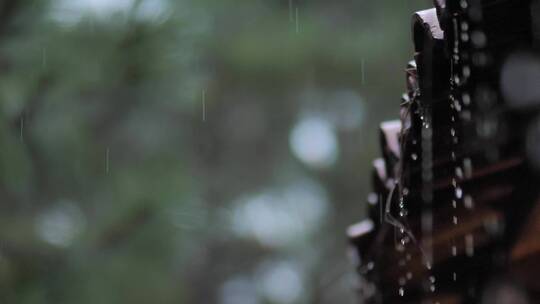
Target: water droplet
<point>457,106</point>
<point>405,191</point>
<point>459,192</point>
<point>459,172</point>
<point>414,156</point>
<point>466,71</point>
<point>401,291</point>
<point>466,99</point>
<point>405,240</point>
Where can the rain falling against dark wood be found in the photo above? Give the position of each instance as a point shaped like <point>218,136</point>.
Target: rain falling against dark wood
<point>458,176</point>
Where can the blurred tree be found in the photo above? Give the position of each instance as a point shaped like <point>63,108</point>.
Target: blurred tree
<point>146,146</point>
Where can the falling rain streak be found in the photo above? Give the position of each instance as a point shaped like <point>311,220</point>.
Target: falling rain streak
<point>293,16</point>
<point>296,21</point>
<point>459,102</point>
<point>455,108</point>
<point>203,105</point>
<point>427,194</point>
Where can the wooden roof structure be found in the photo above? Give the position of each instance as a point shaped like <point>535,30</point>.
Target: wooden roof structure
<point>454,216</point>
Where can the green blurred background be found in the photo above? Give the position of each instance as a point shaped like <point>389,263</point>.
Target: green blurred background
<point>191,151</point>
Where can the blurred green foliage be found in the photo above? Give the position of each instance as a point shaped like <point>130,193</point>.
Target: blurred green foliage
<point>132,132</point>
